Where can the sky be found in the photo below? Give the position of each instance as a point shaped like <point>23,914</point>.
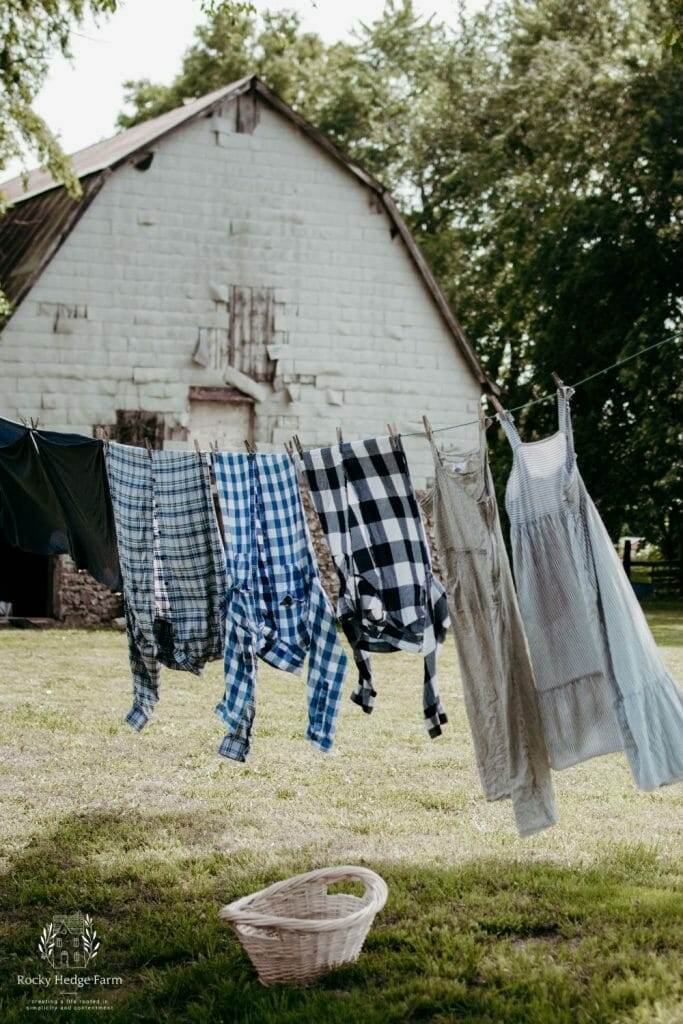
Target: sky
<point>146,39</point>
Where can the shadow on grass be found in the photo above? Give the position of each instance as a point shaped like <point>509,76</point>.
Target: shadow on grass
<point>491,941</point>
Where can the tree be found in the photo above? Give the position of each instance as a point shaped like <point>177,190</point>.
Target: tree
<point>535,148</point>
<point>31,31</point>
<point>230,44</point>
<point>554,217</point>
<point>673,32</point>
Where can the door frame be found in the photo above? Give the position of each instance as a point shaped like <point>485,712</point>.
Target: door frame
<point>225,394</point>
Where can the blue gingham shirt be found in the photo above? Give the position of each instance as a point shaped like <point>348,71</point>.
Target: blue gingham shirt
<point>277,609</point>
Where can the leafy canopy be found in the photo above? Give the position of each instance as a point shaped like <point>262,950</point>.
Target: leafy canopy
<point>31,32</point>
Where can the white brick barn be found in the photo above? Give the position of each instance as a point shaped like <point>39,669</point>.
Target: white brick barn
<point>227,274</point>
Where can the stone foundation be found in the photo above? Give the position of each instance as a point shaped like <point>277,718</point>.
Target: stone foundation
<point>79,600</point>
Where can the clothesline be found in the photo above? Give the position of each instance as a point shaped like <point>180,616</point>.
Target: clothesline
<point>552,394</point>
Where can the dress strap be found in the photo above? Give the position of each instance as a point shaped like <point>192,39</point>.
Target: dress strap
<point>564,418</point>
<point>507,422</point>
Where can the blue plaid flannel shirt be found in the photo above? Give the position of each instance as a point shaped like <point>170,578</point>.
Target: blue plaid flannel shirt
<point>277,609</point>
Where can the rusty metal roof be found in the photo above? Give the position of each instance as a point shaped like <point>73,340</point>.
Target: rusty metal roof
<point>32,231</point>
<point>43,213</point>
<point>111,152</point>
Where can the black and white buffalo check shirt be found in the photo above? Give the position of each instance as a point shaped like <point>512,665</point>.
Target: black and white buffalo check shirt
<point>389,600</point>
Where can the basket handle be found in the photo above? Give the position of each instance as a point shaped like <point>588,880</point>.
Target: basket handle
<point>237,913</point>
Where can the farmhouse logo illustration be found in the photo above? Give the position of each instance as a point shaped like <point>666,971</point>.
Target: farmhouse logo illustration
<point>69,940</point>
<point>69,945</point>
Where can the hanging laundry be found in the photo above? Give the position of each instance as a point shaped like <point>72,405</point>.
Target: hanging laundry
<point>277,609</point>
<point>498,681</point>
<point>389,600</point>
<point>54,498</point>
<point>172,564</point>
<point>75,466</point>
<point>601,684</point>
<point>31,517</point>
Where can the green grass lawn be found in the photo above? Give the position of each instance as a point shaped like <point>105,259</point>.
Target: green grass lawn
<point>151,834</point>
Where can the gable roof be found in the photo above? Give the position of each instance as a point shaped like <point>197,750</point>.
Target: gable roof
<point>44,214</point>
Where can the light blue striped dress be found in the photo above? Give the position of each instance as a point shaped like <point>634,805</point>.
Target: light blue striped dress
<point>601,683</point>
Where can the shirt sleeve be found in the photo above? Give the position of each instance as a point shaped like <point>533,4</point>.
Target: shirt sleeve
<point>145,672</point>
<point>326,669</point>
<point>237,709</point>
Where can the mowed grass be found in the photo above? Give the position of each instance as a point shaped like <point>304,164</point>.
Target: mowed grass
<point>151,834</point>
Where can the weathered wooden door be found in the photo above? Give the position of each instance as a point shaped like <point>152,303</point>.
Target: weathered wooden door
<point>230,423</point>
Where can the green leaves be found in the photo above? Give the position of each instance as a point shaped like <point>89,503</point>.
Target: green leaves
<point>31,31</point>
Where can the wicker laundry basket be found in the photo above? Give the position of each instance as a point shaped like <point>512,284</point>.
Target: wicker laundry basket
<point>294,930</point>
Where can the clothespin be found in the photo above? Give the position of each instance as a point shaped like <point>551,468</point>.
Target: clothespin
<point>22,420</point>
<point>393,430</point>
<point>196,447</point>
<point>484,421</point>
<point>289,449</point>
<point>34,425</point>
<point>428,428</point>
<point>340,439</point>
<point>557,380</point>
<point>297,443</point>
<point>148,446</point>
<point>215,446</point>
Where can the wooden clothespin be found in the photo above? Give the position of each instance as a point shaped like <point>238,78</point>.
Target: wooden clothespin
<point>297,444</point>
<point>500,411</point>
<point>393,430</point>
<point>289,449</point>
<point>340,439</point>
<point>214,448</point>
<point>428,428</point>
<point>148,446</point>
<point>484,421</point>
<point>34,424</point>
<point>196,447</point>
<point>22,420</point>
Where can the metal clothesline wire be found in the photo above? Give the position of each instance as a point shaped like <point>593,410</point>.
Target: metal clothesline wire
<point>551,394</point>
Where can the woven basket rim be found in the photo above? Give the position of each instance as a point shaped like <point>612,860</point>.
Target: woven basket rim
<point>237,912</point>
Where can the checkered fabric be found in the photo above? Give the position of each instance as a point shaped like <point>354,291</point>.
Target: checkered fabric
<point>277,609</point>
<point>389,600</point>
<point>172,564</point>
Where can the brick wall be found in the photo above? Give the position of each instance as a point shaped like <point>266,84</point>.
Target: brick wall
<point>114,320</point>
